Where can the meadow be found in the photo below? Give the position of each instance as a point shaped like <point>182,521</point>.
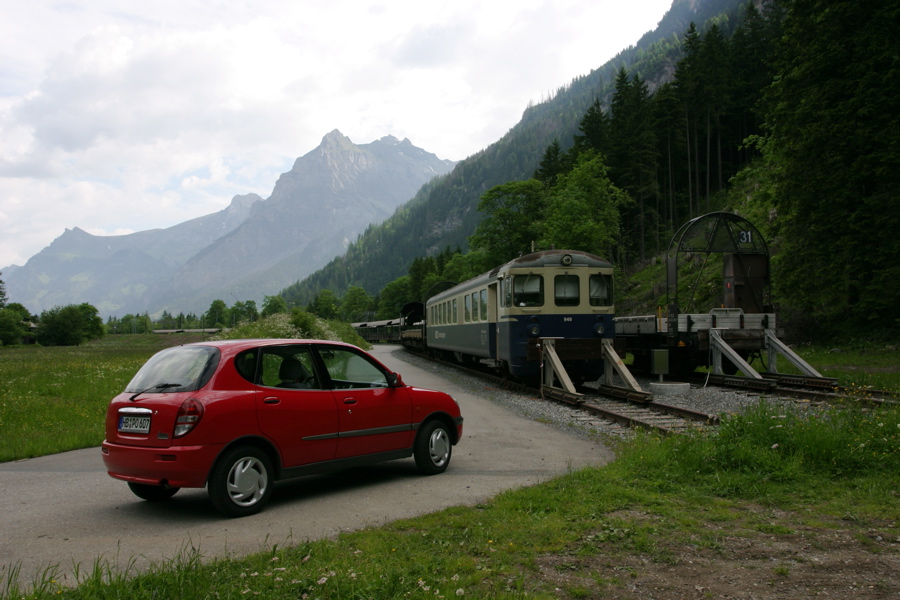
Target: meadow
<point>54,399</point>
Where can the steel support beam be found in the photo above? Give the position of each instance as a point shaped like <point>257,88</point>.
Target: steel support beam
<point>612,363</point>
<point>774,346</point>
<point>720,347</point>
<point>551,358</point>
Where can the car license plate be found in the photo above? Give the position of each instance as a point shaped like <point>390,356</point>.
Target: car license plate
<point>134,424</point>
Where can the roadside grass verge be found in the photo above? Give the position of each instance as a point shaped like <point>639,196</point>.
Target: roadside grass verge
<point>764,474</point>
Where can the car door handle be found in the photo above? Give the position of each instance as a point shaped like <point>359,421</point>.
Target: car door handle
<point>272,400</point>
<point>350,400</point>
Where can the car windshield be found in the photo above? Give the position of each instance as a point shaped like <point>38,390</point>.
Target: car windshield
<point>178,369</point>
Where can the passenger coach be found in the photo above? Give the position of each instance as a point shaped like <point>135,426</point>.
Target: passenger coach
<point>500,315</point>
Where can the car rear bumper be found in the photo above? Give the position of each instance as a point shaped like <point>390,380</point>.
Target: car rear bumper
<point>177,466</point>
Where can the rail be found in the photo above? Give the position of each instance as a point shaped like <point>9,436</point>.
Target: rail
<point>625,407</point>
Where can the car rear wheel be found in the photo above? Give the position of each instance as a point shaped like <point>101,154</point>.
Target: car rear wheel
<point>433,448</point>
<point>152,493</point>
<point>241,481</point>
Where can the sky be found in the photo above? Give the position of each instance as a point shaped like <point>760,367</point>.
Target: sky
<point>119,116</point>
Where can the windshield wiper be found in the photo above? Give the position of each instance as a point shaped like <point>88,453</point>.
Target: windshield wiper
<point>158,386</point>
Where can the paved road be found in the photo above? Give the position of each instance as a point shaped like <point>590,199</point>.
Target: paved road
<point>64,510</point>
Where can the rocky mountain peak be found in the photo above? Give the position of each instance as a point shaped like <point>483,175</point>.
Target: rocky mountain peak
<point>251,248</point>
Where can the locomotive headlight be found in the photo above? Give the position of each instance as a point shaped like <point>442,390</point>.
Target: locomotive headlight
<point>566,259</point>
<point>534,330</point>
<point>599,328</point>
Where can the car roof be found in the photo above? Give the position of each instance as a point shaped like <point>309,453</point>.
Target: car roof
<point>243,344</point>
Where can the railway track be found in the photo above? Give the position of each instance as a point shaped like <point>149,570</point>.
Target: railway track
<point>816,389</point>
<point>650,415</point>
<point>628,410</point>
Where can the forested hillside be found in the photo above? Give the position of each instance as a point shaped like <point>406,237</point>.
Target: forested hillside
<point>786,114</point>
<point>444,213</point>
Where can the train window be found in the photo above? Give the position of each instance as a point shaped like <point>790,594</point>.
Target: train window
<point>565,290</point>
<point>484,308</point>
<point>455,310</point>
<point>507,292</point>
<point>474,306</point>
<point>528,290</point>
<point>468,309</point>
<point>601,290</point>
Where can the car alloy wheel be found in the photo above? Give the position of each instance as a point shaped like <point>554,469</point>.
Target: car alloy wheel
<point>241,481</point>
<point>433,448</point>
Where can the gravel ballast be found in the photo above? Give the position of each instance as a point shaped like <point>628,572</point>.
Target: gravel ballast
<point>710,400</point>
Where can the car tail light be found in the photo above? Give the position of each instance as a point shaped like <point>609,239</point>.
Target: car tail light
<point>189,415</point>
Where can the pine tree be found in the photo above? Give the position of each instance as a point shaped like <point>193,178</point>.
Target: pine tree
<point>833,115</point>
<point>594,128</point>
<point>632,158</point>
<point>688,84</point>
<point>552,164</point>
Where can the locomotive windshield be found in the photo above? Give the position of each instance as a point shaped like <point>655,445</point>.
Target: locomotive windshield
<point>528,290</point>
<point>565,290</point>
<point>601,290</point>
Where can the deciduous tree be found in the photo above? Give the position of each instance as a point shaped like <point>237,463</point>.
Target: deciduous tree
<point>273,305</point>
<point>69,325</point>
<point>511,222</point>
<point>584,210</point>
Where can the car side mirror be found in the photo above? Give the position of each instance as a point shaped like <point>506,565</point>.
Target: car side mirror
<point>394,380</point>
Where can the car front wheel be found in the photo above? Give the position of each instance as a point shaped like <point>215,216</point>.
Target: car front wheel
<point>152,493</point>
<point>433,448</point>
<point>241,482</point>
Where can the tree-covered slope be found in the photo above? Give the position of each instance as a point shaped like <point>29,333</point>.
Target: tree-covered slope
<point>444,213</point>
<point>787,115</point>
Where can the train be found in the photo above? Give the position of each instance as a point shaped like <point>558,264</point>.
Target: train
<point>502,318</point>
<point>499,317</point>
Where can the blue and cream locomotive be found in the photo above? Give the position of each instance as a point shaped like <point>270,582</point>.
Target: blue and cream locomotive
<point>500,316</point>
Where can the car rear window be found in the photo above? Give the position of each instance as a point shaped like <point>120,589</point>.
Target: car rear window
<point>178,369</point>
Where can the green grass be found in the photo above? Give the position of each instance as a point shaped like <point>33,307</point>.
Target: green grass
<point>765,473</point>
<point>54,399</point>
<point>856,364</point>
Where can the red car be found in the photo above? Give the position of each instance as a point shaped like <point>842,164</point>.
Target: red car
<point>236,416</point>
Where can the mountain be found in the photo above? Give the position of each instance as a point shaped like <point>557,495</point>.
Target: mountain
<point>114,272</point>
<point>445,214</point>
<point>252,248</point>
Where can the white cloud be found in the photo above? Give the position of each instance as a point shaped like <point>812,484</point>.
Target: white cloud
<point>120,116</point>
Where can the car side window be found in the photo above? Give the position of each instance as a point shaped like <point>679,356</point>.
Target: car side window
<point>245,364</point>
<point>349,370</point>
<point>288,367</point>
